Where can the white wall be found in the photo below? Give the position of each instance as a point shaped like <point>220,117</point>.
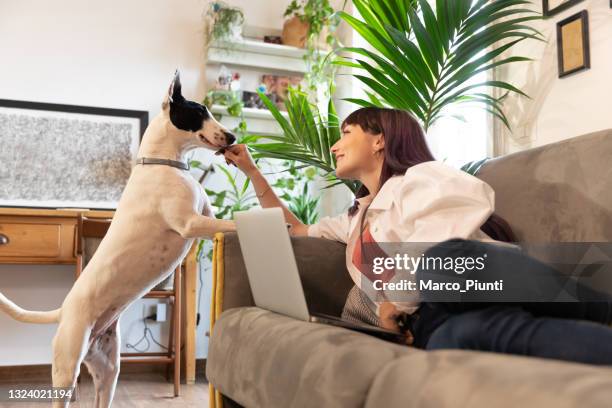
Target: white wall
<point>118,54</point>
<point>565,107</point>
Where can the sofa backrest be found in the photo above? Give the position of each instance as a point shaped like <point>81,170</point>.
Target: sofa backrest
<point>561,192</point>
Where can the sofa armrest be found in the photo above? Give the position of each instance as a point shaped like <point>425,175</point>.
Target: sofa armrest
<point>321,263</point>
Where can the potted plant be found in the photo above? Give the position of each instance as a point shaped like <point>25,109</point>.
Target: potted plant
<point>224,23</point>
<point>307,19</point>
<point>312,24</point>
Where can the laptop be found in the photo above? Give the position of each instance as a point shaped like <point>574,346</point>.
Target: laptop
<point>273,273</point>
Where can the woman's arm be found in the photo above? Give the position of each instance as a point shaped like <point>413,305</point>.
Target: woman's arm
<point>240,157</point>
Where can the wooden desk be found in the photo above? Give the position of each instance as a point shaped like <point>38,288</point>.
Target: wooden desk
<point>42,237</point>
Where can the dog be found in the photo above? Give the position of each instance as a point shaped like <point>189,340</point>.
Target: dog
<point>161,211</point>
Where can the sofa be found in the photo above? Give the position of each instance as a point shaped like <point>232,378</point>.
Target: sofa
<point>554,193</point>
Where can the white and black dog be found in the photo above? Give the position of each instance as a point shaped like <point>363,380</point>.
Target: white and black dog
<point>162,209</point>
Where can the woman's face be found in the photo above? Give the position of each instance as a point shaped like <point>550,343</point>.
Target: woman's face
<point>357,152</point>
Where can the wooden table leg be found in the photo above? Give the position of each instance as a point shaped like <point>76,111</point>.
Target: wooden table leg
<point>190,296</point>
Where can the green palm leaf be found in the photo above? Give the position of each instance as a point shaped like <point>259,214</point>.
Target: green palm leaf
<point>307,137</point>
<point>426,57</point>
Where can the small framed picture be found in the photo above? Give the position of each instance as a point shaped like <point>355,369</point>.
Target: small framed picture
<point>573,44</point>
<point>552,7</point>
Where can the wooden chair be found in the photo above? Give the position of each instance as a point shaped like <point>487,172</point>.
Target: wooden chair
<point>97,228</point>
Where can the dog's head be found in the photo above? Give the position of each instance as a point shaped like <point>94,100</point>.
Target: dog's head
<point>195,118</point>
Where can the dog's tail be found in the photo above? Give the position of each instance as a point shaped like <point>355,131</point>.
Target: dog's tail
<point>28,316</point>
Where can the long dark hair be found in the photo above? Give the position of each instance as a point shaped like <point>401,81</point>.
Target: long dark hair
<point>405,146</point>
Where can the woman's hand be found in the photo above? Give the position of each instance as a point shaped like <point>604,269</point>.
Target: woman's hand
<point>387,314</point>
<point>239,156</point>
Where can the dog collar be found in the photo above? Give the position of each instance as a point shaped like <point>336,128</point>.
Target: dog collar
<point>165,162</point>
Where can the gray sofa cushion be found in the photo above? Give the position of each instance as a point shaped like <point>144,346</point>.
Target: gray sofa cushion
<point>469,379</point>
<point>560,192</point>
<point>263,359</point>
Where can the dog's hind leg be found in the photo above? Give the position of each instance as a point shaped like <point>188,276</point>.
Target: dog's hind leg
<point>103,361</point>
<point>69,348</point>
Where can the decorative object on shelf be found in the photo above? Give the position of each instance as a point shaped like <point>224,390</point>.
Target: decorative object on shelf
<point>223,23</point>
<point>552,7</point>
<point>278,85</point>
<point>295,32</point>
<point>234,85</point>
<point>223,79</point>
<point>573,44</point>
<point>227,80</point>
<point>65,155</point>
<point>252,99</point>
<point>307,136</point>
<point>273,39</point>
<point>311,24</point>
<point>422,62</point>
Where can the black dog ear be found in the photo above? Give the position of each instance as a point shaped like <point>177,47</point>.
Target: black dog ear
<point>174,90</point>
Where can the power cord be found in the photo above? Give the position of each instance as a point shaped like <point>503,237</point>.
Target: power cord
<point>144,336</point>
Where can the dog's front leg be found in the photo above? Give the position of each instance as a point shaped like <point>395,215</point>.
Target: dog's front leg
<point>201,226</point>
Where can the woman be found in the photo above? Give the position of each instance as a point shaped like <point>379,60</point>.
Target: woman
<point>407,196</point>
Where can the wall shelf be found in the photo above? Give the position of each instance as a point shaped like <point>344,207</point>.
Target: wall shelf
<point>259,121</point>
<point>259,55</point>
<point>249,113</point>
<point>254,58</point>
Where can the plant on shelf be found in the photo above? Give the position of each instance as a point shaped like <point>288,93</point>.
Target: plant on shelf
<point>312,24</point>
<point>234,106</point>
<point>307,136</point>
<point>223,23</point>
<point>424,61</point>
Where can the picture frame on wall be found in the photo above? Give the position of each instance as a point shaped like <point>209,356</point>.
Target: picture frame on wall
<point>552,7</point>
<point>66,156</point>
<point>573,51</point>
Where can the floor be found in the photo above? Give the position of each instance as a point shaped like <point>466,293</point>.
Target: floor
<point>135,390</point>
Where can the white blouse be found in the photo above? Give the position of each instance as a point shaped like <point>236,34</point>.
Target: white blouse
<point>431,202</point>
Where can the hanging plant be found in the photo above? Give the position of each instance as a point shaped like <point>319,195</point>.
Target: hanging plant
<point>223,23</point>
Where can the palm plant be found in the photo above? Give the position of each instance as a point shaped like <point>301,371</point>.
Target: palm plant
<point>424,58</point>
<point>228,201</point>
<point>294,185</point>
<point>307,137</point>
<point>303,205</point>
